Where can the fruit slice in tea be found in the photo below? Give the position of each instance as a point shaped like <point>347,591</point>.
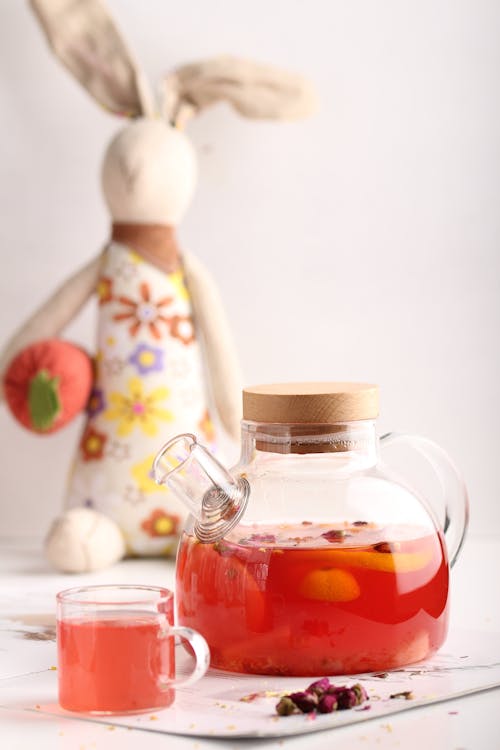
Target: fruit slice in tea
<point>329,585</point>
<point>206,570</point>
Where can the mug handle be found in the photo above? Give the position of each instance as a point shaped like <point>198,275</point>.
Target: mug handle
<point>201,653</point>
<point>454,510</point>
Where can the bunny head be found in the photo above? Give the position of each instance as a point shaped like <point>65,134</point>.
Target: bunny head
<point>149,169</point>
<point>149,173</point>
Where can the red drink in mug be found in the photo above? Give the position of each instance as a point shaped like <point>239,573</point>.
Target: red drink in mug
<point>116,649</point>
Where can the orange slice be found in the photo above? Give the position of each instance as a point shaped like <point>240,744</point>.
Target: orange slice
<point>388,562</point>
<point>330,585</point>
<point>396,562</point>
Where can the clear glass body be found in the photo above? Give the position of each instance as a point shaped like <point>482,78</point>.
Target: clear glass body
<point>336,566</point>
<point>116,650</point>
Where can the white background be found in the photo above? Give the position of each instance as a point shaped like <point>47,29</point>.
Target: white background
<point>361,244</point>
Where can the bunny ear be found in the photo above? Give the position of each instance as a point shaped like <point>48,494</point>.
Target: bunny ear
<point>86,40</point>
<point>254,90</point>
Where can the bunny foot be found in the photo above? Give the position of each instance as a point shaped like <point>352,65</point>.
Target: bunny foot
<point>82,540</point>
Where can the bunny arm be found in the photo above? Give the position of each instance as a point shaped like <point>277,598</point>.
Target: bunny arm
<point>55,314</point>
<point>220,355</point>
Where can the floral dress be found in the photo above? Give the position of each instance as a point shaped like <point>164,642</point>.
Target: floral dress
<point>149,386</point>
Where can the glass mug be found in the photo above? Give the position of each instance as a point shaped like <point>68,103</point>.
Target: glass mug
<point>116,649</point>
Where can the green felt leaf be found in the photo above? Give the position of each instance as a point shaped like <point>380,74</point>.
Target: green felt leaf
<point>43,400</point>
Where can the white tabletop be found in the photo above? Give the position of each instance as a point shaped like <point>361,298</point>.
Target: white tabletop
<point>469,723</point>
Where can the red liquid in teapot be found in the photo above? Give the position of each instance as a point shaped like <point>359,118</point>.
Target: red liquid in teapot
<point>311,600</point>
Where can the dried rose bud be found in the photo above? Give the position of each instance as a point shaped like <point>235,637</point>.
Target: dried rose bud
<point>387,547</point>
<point>327,703</point>
<point>334,535</point>
<point>286,707</point>
<point>319,686</point>
<point>360,523</point>
<point>322,697</point>
<point>360,693</point>
<point>306,702</point>
<point>346,698</point>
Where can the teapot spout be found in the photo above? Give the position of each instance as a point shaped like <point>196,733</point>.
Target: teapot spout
<point>213,496</point>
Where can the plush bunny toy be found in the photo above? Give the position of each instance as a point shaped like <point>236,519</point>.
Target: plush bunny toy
<point>162,339</point>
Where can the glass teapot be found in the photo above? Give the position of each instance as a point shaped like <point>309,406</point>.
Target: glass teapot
<point>311,556</point>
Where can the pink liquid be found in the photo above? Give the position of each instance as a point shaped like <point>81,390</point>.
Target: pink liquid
<point>114,664</point>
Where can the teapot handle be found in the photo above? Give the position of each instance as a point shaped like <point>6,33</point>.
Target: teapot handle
<point>454,510</point>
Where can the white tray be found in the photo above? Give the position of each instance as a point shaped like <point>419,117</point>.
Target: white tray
<point>218,705</point>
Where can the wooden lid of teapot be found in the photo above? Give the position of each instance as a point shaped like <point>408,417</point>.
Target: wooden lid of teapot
<point>310,403</point>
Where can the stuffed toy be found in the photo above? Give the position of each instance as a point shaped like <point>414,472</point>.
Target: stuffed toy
<point>164,359</point>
